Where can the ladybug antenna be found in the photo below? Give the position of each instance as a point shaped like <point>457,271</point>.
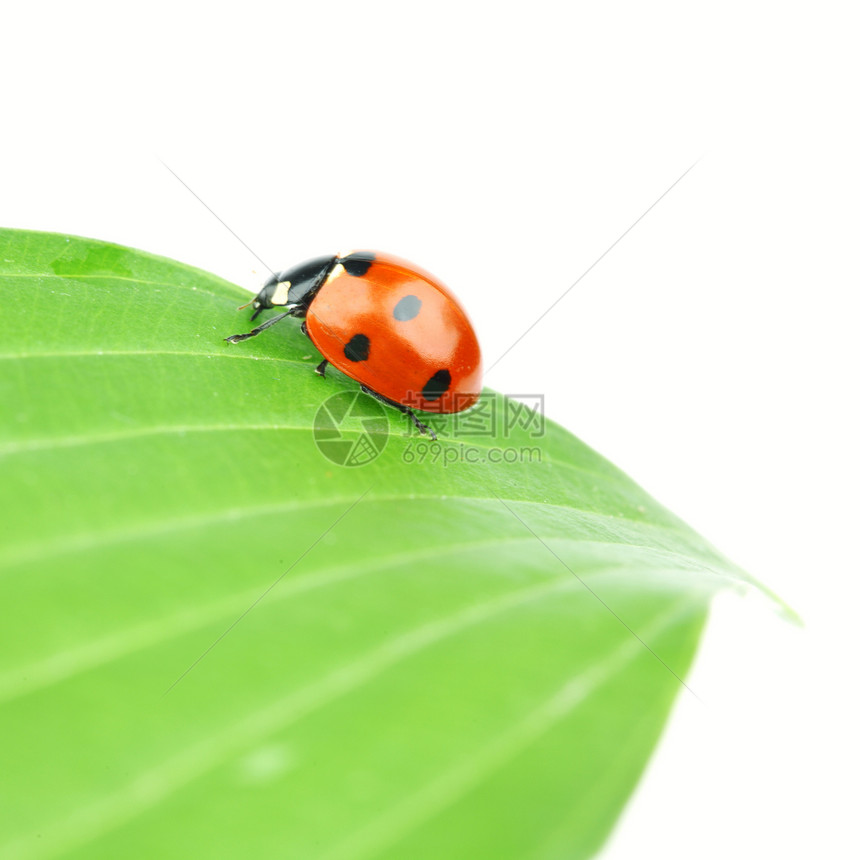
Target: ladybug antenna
<point>247,304</point>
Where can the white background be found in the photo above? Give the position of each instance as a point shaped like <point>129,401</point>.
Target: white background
<point>711,354</point>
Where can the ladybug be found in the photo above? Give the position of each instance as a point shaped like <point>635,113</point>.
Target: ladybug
<point>389,325</point>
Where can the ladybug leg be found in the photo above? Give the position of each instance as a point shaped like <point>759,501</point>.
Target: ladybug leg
<point>237,338</point>
<point>320,368</point>
<point>422,427</point>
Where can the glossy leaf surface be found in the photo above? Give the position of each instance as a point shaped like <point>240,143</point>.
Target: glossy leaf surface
<point>217,642</point>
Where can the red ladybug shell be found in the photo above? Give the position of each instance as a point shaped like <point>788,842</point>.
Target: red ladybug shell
<point>399,331</point>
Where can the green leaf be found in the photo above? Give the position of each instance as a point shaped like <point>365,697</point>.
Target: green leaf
<point>217,642</point>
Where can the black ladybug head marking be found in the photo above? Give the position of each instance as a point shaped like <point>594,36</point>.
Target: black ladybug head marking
<point>436,385</point>
<point>358,263</point>
<point>407,308</point>
<point>294,288</point>
<point>358,348</point>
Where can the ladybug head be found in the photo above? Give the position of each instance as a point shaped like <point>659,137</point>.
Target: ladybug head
<point>294,288</point>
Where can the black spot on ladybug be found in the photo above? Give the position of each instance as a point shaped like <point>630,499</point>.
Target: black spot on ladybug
<point>358,348</point>
<point>407,308</point>
<point>358,264</point>
<point>436,385</point>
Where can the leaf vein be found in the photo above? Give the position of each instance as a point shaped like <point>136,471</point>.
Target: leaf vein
<point>449,787</point>
<point>87,824</point>
<point>69,544</point>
